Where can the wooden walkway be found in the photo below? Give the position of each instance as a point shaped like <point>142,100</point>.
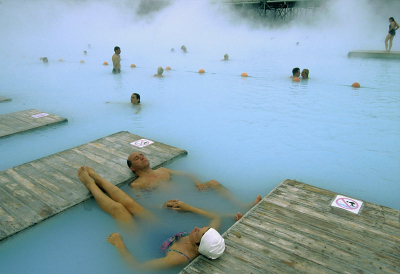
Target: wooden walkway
<point>374,54</point>
<point>20,121</point>
<point>3,99</point>
<point>294,229</point>
<point>37,190</point>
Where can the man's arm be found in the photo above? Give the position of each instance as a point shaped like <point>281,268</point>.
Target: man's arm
<point>215,220</point>
<point>161,263</point>
<point>197,183</point>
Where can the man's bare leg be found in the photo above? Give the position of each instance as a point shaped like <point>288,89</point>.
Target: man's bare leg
<point>115,209</point>
<point>119,195</point>
<point>256,201</point>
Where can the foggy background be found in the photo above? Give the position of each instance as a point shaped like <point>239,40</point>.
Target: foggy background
<point>56,28</point>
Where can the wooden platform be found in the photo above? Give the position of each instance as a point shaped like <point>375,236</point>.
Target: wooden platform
<point>3,99</point>
<point>20,121</point>
<point>374,54</point>
<point>294,229</point>
<point>37,190</point>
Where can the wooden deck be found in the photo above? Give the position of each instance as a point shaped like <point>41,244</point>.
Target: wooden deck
<point>20,121</point>
<point>294,229</point>
<point>37,190</point>
<point>4,99</point>
<point>374,54</point>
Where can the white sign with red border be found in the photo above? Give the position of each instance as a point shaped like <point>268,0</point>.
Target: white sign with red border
<point>142,143</point>
<point>347,203</point>
<point>39,115</point>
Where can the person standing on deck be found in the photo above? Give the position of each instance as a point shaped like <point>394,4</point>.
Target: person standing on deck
<point>392,32</point>
<point>116,59</point>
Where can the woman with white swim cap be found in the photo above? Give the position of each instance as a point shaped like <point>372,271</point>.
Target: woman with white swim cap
<point>179,249</point>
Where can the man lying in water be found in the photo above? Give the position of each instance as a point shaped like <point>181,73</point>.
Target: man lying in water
<point>179,249</point>
<point>149,178</point>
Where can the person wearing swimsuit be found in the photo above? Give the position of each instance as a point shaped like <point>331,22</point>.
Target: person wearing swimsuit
<point>180,249</point>
<point>392,32</point>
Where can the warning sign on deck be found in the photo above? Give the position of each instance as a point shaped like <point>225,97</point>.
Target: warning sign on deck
<point>347,203</point>
<point>40,115</point>
<point>142,143</point>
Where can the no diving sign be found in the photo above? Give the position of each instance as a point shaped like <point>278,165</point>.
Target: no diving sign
<point>142,143</point>
<point>347,203</point>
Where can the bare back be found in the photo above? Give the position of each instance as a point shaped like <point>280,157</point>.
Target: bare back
<point>116,59</point>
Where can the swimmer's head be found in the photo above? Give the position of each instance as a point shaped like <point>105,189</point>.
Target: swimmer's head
<point>85,52</point>
<point>172,50</point>
<point>305,73</point>
<point>391,19</point>
<point>160,70</point>
<point>137,161</point>
<point>135,98</point>
<point>226,56</point>
<point>183,48</point>
<point>296,72</point>
<point>117,49</point>
<point>211,244</point>
<point>45,60</point>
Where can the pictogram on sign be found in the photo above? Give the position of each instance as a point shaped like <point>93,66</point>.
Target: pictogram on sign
<point>142,143</point>
<point>39,115</point>
<point>347,203</point>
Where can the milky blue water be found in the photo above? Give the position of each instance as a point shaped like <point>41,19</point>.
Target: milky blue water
<point>248,133</point>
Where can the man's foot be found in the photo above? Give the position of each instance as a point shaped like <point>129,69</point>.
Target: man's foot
<point>91,171</point>
<point>84,177</point>
<point>257,200</point>
<point>238,216</point>
<point>116,240</point>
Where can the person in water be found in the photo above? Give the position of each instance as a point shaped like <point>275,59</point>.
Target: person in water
<point>150,179</point>
<point>116,59</point>
<point>226,57</point>
<point>183,48</point>
<point>393,26</point>
<point>295,72</point>
<point>160,71</point>
<point>45,60</point>
<point>135,100</point>
<point>304,73</point>
<point>182,248</point>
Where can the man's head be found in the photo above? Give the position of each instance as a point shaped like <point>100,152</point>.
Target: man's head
<point>135,98</point>
<point>296,72</point>
<point>117,50</point>
<point>210,243</point>
<point>45,60</point>
<point>160,70</point>
<point>226,56</point>
<point>305,73</point>
<point>137,161</point>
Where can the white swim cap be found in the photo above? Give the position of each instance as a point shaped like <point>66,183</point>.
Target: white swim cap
<point>212,245</point>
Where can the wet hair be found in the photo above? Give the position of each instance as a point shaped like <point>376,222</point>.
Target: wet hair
<point>295,70</point>
<point>116,48</point>
<point>160,70</point>
<point>307,72</point>
<point>137,96</point>
<point>391,18</point>
<point>226,56</point>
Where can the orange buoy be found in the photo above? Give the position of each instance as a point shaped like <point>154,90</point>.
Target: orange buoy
<point>244,74</point>
<point>41,58</point>
<point>82,62</point>
<point>168,68</point>
<point>60,60</point>
<point>105,63</point>
<point>355,85</point>
<point>133,66</point>
<point>202,71</point>
<point>296,79</point>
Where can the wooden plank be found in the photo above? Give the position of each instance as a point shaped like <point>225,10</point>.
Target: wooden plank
<point>21,121</point>
<point>295,230</point>
<point>375,54</point>
<point>322,235</point>
<point>37,190</point>
<point>4,99</point>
